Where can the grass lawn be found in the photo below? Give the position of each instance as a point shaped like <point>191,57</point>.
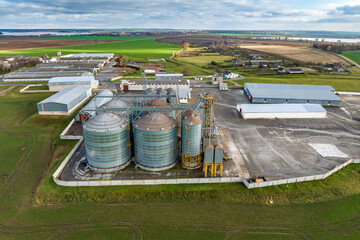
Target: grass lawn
<point>349,83</point>
<point>355,56</point>
<point>42,87</point>
<point>31,150</point>
<point>139,48</point>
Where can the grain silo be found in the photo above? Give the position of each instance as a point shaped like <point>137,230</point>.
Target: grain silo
<point>150,91</point>
<point>191,142</point>
<point>155,142</point>
<point>106,142</point>
<point>188,113</point>
<point>158,103</point>
<point>208,159</point>
<point>172,100</point>
<point>163,93</point>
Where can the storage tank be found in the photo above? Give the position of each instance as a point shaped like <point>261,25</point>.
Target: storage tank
<point>172,100</point>
<point>218,155</point>
<point>106,142</point>
<point>155,142</point>
<point>160,103</point>
<point>162,92</point>
<point>150,91</point>
<point>188,113</point>
<point>191,142</point>
<point>118,103</point>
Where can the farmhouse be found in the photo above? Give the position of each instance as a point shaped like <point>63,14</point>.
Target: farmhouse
<point>294,71</point>
<point>217,78</point>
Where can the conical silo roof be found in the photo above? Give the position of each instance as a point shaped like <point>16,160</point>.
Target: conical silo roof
<point>192,121</point>
<point>219,146</point>
<point>105,122</point>
<point>155,122</point>
<point>190,112</point>
<point>157,103</point>
<point>117,103</point>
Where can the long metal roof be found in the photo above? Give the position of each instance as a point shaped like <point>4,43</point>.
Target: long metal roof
<point>291,91</point>
<point>66,95</point>
<point>280,108</point>
<point>79,79</point>
<point>288,86</point>
<point>89,55</point>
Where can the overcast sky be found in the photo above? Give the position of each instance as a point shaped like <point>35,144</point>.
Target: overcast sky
<point>327,15</point>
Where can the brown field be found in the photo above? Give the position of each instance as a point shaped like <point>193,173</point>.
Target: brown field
<point>24,43</point>
<point>297,54</point>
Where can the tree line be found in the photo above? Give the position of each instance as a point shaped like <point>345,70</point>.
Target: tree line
<point>337,47</point>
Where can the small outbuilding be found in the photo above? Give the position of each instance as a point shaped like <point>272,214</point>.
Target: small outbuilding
<point>255,111</point>
<point>223,86</point>
<point>64,102</point>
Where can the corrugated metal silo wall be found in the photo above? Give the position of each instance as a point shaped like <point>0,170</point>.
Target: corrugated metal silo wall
<point>209,155</point>
<point>191,139</point>
<point>218,156</point>
<point>106,150</point>
<point>155,149</point>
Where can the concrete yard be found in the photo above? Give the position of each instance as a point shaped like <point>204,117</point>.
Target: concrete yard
<point>279,148</point>
<point>270,148</point>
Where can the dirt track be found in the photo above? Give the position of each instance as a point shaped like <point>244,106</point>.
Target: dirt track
<point>13,44</point>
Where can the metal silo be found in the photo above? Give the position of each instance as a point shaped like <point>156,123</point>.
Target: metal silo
<point>162,92</point>
<point>208,159</point>
<point>156,103</point>
<point>172,100</point>
<point>188,113</point>
<point>155,142</point>
<point>150,91</point>
<point>118,103</point>
<point>191,142</point>
<point>106,142</point>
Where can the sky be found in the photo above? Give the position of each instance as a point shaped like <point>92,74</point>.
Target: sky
<point>325,15</point>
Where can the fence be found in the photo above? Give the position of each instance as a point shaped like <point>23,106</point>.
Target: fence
<point>298,179</point>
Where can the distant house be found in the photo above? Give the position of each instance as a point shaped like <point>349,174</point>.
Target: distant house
<point>217,78</point>
<point>338,69</point>
<point>294,71</point>
<point>230,75</point>
<point>281,70</point>
<point>273,66</point>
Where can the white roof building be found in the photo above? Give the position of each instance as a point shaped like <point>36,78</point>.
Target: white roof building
<point>255,111</point>
<point>60,83</point>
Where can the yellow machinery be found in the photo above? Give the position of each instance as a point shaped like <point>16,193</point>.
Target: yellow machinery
<point>210,138</point>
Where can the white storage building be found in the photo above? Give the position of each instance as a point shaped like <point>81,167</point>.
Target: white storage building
<point>256,111</point>
<point>60,83</point>
<point>65,101</point>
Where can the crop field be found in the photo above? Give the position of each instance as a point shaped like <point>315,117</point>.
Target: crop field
<point>298,54</point>
<point>140,48</point>
<point>355,56</point>
<point>120,38</point>
<point>33,207</point>
<point>204,60</point>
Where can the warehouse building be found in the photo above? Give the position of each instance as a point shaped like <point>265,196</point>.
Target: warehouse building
<point>255,111</point>
<point>41,76</point>
<point>86,56</point>
<point>291,93</point>
<point>168,77</point>
<point>59,83</point>
<point>65,101</point>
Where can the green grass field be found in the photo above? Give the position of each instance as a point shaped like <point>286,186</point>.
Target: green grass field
<point>31,150</point>
<point>138,48</point>
<point>355,56</point>
<point>120,38</point>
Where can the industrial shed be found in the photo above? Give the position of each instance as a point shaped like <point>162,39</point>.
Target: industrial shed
<point>65,101</point>
<point>254,111</point>
<point>291,93</point>
<point>169,77</point>
<point>60,83</point>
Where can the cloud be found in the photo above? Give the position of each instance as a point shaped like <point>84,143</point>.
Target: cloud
<point>184,14</point>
